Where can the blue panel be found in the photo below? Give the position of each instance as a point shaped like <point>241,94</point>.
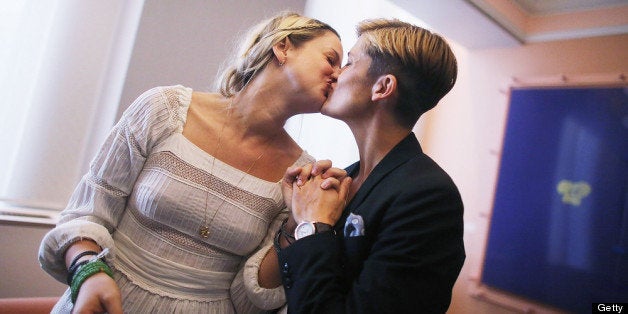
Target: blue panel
<point>558,232</point>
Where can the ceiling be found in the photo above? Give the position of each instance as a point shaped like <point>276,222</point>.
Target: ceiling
<point>546,7</point>
<point>480,24</point>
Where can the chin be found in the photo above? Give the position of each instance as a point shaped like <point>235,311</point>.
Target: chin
<point>326,110</point>
<point>323,111</point>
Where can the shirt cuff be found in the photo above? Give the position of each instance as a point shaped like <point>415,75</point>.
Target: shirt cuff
<point>56,242</point>
<point>264,298</point>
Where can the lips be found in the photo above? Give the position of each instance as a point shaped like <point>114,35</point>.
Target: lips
<point>328,89</point>
<point>330,92</point>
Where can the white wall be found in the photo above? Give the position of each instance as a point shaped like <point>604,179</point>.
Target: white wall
<point>185,42</point>
<point>61,79</point>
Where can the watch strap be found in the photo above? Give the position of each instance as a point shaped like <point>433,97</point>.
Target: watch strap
<point>322,227</point>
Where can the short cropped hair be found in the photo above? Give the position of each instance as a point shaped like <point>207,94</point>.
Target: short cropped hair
<point>256,50</point>
<point>422,61</point>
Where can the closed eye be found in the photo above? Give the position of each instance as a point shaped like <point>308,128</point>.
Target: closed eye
<point>333,58</point>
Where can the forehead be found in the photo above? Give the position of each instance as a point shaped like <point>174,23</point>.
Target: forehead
<point>359,49</point>
<point>327,40</point>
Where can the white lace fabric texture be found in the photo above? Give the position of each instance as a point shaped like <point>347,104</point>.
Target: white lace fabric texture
<point>145,198</point>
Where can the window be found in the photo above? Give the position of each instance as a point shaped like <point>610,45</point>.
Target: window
<point>63,66</point>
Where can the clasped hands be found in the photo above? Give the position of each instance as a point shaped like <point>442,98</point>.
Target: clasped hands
<point>315,192</point>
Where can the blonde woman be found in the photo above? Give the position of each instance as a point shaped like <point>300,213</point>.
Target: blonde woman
<point>186,186</point>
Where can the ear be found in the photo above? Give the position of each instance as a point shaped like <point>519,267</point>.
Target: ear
<point>280,50</point>
<point>384,87</point>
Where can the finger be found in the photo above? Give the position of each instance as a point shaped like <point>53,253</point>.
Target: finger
<point>291,174</point>
<point>113,304</point>
<point>334,172</point>
<point>304,175</point>
<point>343,191</point>
<point>321,166</point>
<point>330,183</point>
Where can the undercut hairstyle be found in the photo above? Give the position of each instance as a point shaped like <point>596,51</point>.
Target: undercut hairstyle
<point>422,61</point>
<point>256,50</point>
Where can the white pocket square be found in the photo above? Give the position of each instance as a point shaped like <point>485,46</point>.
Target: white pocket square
<point>354,226</point>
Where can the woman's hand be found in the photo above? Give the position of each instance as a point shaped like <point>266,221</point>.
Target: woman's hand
<point>300,175</point>
<point>310,202</point>
<point>98,294</point>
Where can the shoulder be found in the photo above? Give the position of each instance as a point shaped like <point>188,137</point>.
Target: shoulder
<point>423,172</point>
<point>419,182</point>
<point>156,113</point>
<point>164,105</point>
<point>173,100</point>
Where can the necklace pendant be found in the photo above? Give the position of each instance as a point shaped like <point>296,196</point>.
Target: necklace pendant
<point>204,232</point>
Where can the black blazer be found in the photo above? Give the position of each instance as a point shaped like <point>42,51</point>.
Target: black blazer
<point>409,256</point>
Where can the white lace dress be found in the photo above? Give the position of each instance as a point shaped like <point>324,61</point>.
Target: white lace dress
<point>145,198</point>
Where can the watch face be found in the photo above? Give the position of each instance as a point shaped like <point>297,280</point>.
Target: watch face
<point>304,229</point>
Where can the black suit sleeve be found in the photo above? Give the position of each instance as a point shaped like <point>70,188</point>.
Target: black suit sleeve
<point>311,271</point>
<point>414,255</point>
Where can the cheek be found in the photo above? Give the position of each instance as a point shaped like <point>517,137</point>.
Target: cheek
<point>338,101</point>
<point>349,93</point>
<point>307,76</point>
<point>350,85</point>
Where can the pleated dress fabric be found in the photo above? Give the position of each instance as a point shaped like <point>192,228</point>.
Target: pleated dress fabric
<point>147,193</point>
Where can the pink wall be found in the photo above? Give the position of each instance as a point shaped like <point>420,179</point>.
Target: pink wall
<point>464,132</point>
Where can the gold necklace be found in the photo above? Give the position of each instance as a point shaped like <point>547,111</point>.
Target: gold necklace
<point>203,231</point>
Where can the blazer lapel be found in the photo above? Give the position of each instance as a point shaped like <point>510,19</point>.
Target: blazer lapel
<point>408,148</point>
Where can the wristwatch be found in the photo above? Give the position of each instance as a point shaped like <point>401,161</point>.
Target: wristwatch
<point>308,228</point>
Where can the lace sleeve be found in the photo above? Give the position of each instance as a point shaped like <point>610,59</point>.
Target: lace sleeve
<point>99,199</point>
<point>246,292</point>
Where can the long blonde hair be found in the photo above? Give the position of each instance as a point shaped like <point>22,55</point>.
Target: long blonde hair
<point>256,50</point>
<point>422,61</point>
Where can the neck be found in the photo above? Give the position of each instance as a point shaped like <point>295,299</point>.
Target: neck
<point>374,142</point>
<point>258,113</point>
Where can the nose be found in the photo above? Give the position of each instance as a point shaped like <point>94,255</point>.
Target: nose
<point>335,74</point>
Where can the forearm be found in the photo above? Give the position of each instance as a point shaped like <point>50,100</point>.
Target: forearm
<point>269,276</point>
<point>79,247</point>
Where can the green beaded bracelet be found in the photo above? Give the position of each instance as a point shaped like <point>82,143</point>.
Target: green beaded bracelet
<point>86,271</point>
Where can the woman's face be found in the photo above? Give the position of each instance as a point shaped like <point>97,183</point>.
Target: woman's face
<point>311,69</point>
<point>351,94</point>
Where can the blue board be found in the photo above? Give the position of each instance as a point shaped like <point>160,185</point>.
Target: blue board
<point>559,227</point>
